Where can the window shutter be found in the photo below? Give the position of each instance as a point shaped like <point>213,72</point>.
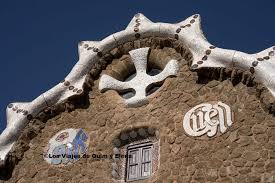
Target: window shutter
<point>133,164</point>
<point>139,162</point>
<point>146,162</point>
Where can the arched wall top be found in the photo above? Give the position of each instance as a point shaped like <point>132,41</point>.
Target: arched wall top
<point>188,32</point>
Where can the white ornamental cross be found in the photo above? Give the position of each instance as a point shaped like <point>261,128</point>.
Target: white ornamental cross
<point>141,81</point>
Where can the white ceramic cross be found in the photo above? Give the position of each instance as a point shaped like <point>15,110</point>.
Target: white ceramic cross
<point>141,81</point>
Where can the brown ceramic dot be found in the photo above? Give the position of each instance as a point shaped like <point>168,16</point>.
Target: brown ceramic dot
<point>86,45</point>
<point>29,117</point>
<point>200,62</point>
<point>271,53</point>
<point>176,36</point>
<point>67,83</point>
<point>192,21</point>
<point>138,24</point>
<point>15,108</point>
<point>75,90</point>
<point>10,105</point>
<point>212,47</point>
<point>204,57</point>
<point>194,66</point>
<point>188,25</point>
<point>25,113</point>
<point>71,87</point>
<point>79,91</point>
<point>254,64</point>
<point>136,29</point>
<point>178,30</point>
<point>252,70</point>
<point>137,35</point>
<point>260,59</point>
<point>183,26</point>
<point>95,50</point>
<point>208,52</point>
<point>266,57</point>
<point>100,54</point>
<point>62,81</point>
<point>195,16</point>
<point>137,20</point>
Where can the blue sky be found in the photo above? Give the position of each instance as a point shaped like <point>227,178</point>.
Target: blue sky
<point>38,39</point>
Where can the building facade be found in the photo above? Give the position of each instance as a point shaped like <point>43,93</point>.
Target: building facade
<point>160,105</point>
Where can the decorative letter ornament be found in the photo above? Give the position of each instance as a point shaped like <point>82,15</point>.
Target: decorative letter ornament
<point>141,81</point>
<point>207,118</point>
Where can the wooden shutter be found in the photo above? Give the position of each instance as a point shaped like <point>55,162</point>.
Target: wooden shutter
<point>146,161</point>
<point>139,162</point>
<point>133,168</point>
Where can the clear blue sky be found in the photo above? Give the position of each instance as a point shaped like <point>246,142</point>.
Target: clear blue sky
<point>38,39</point>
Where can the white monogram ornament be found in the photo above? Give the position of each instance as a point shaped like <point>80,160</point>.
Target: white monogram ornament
<point>206,118</point>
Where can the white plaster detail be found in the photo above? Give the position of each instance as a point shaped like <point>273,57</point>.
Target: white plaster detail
<point>141,81</point>
<point>188,32</point>
<point>207,118</point>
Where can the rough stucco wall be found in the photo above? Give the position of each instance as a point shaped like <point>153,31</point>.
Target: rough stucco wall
<point>245,153</point>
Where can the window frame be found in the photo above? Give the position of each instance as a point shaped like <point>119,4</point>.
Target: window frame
<point>140,147</point>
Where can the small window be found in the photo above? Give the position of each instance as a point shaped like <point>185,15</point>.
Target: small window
<point>139,162</point>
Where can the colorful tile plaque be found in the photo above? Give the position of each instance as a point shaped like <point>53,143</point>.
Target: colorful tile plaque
<point>67,146</point>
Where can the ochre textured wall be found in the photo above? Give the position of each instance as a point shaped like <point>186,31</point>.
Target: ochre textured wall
<point>245,153</point>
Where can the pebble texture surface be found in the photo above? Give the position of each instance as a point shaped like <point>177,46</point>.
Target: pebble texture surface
<point>245,153</point>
